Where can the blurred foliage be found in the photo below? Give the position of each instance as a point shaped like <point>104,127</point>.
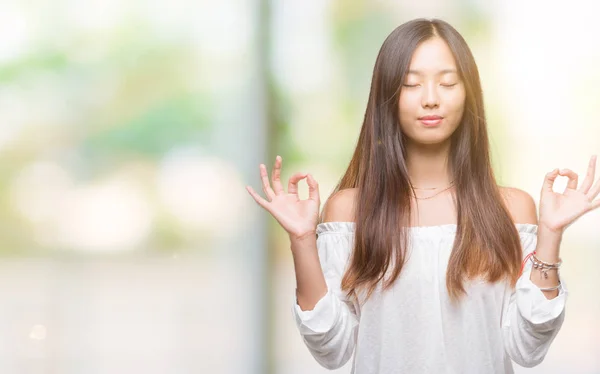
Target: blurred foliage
<point>126,95</point>
<point>155,130</point>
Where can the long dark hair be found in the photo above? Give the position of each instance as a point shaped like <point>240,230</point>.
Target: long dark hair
<point>487,242</point>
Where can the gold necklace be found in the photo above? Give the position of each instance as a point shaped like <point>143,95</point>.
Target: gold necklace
<point>428,188</point>
<point>429,197</point>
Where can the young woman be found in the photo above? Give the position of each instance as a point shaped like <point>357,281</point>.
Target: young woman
<point>420,262</point>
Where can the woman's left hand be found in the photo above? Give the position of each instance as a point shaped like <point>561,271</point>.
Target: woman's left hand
<point>559,210</point>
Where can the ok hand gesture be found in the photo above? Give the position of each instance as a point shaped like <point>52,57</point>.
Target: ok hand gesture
<point>297,217</point>
<point>560,210</point>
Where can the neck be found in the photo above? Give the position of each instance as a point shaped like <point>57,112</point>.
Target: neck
<point>428,165</point>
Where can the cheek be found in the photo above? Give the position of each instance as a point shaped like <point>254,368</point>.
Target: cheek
<point>456,103</point>
<point>408,103</point>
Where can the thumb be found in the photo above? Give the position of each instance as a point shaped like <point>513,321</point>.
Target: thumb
<point>313,188</point>
<point>549,181</point>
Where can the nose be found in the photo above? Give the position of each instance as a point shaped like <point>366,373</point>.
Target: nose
<point>430,98</point>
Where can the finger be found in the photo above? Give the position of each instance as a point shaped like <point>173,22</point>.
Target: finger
<point>313,188</point>
<point>549,181</point>
<point>589,178</point>
<point>259,200</point>
<point>293,183</point>
<point>572,177</point>
<point>264,176</point>
<point>277,176</point>
<point>594,191</point>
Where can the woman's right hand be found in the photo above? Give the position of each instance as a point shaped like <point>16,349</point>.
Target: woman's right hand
<point>297,217</point>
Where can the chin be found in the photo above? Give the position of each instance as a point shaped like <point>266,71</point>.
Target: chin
<point>432,140</point>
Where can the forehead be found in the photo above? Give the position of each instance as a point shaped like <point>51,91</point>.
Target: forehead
<point>432,57</point>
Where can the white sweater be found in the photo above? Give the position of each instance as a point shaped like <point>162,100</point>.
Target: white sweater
<point>413,328</point>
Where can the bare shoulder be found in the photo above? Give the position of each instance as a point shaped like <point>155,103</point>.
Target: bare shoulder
<point>520,205</point>
<point>340,206</point>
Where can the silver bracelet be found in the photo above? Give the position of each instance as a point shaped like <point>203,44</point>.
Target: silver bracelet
<point>550,288</point>
<point>543,267</point>
<point>537,260</point>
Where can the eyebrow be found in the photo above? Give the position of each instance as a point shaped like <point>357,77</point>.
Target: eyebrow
<point>445,71</point>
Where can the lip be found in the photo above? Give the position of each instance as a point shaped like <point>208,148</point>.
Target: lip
<point>430,121</point>
<point>430,117</point>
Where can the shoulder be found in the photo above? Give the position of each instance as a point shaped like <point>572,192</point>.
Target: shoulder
<point>340,206</point>
<point>520,205</point>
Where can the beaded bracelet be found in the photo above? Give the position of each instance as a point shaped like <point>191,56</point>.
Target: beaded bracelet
<point>544,266</point>
<point>549,267</point>
<point>547,264</point>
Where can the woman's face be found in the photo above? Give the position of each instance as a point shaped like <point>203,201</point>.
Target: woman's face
<point>432,97</point>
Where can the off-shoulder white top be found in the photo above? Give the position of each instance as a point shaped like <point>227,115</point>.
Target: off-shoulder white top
<point>412,327</point>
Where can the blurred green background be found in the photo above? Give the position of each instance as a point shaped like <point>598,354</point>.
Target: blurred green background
<point>129,131</point>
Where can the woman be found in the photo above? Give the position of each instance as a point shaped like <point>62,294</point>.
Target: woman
<point>420,262</point>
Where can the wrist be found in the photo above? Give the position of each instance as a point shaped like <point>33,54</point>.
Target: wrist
<point>549,234</point>
<point>548,244</point>
<point>303,237</point>
<point>550,229</point>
